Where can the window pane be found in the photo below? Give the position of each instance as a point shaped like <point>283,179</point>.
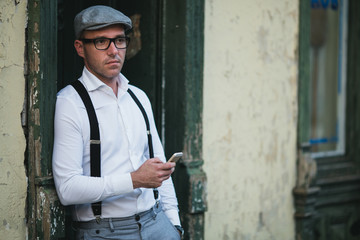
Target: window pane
<point>327,76</point>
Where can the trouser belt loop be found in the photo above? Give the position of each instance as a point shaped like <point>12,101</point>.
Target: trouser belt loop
<point>111,225</point>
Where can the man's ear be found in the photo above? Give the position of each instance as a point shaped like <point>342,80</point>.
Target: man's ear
<point>79,46</point>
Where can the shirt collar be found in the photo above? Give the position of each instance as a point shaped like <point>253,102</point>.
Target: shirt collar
<point>92,83</point>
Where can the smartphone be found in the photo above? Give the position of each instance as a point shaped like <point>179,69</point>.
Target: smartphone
<point>175,157</point>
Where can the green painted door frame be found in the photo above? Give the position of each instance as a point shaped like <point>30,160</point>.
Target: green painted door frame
<point>45,214</point>
<point>327,195</point>
<point>180,65</point>
<point>183,66</point>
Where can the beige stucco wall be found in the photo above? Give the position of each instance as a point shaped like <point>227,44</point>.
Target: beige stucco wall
<point>12,140</point>
<point>250,118</point>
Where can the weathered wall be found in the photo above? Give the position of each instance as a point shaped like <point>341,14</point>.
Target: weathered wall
<point>12,140</point>
<point>250,118</point>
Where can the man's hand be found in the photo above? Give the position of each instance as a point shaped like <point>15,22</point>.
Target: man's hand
<point>152,173</point>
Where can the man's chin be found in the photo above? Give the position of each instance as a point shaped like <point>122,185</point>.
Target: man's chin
<point>114,71</point>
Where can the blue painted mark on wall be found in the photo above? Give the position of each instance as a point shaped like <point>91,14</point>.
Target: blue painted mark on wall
<point>317,141</point>
<point>334,4</point>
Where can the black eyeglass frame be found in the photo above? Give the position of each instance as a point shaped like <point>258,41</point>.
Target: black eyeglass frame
<point>93,40</point>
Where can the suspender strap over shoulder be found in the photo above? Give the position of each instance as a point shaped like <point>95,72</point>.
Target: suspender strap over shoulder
<point>151,150</point>
<point>95,146</point>
<point>95,143</point>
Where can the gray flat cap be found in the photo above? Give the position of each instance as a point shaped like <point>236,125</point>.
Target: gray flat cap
<point>97,17</point>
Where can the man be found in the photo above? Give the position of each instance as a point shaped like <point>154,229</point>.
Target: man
<point>128,206</point>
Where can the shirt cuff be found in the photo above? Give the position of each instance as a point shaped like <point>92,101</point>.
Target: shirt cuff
<point>120,184</point>
<point>173,216</point>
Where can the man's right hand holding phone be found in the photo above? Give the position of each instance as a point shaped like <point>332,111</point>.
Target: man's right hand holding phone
<point>152,173</point>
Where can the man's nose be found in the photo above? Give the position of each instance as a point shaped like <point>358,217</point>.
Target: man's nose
<point>112,48</point>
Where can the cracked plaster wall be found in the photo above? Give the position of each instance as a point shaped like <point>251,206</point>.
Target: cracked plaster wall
<point>13,184</point>
<point>250,118</point>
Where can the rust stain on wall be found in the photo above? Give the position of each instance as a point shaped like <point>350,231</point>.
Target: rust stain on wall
<point>50,213</point>
<point>36,59</point>
<point>37,153</point>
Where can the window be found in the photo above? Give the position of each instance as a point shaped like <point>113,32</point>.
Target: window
<point>328,38</point>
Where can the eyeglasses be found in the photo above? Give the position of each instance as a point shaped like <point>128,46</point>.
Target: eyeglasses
<point>104,43</point>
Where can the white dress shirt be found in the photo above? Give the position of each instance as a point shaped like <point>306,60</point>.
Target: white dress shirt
<point>124,148</point>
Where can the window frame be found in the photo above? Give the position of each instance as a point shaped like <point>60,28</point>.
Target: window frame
<point>305,82</point>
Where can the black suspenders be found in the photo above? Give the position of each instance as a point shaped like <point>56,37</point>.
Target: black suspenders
<point>95,150</point>
<point>95,143</point>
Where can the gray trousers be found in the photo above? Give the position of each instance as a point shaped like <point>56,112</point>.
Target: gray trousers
<point>149,225</point>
